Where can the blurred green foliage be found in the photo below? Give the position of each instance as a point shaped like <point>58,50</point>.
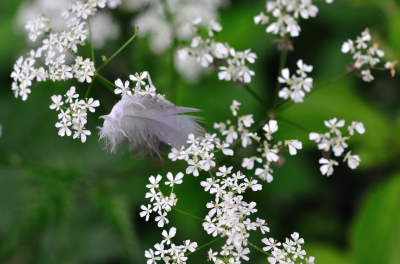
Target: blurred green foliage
<point>62,201</point>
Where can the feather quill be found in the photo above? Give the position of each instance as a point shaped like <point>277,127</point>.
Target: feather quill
<point>148,123</point>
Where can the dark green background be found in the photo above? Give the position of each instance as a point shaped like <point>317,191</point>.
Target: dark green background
<point>62,201</point>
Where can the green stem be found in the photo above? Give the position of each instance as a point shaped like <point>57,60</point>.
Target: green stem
<point>203,246</point>
<point>136,30</point>
<point>282,62</point>
<point>88,90</point>
<point>195,217</point>
<point>294,124</point>
<point>91,42</point>
<point>258,98</point>
<point>109,85</point>
<point>259,249</point>
<point>288,103</point>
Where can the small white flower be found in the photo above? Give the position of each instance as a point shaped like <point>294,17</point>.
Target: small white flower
<point>327,167</point>
<point>81,132</point>
<point>265,174</point>
<point>270,128</point>
<point>234,107</point>
<point>261,18</point>
<point>63,128</point>
<point>172,181</point>
<point>333,124</point>
<point>294,145</point>
<point>138,78</point>
<point>352,160</point>
<point>122,88</point>
<point>168,235</point>
<point>146,211</point>
<point>57,103</point>
<point>248,163</point>
<point>161,219</point>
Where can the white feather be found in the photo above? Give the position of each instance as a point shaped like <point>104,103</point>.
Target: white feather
<point>148,123</point>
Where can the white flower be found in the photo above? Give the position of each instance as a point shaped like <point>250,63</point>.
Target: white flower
<point>352,160</point>
<point>146,211</point>
<point>63,128</point>
<point>333,124</point>
<point>57,103</point>
<point>248,163</point>
<point>91,103</point>
<point>168,235</point>
<point>358,126</point>
<point>151,257</point>
<point>327,167</point>
<point>367,76</point>
<point>261,18</point>
<point>285,77</point>
<point>122,88</point>
<point>270,128</point>
<point>172,181</point>
<point>265,174</point>
<point>81,132</point>
<point>234,107</point>
<point>138,78</point>
<point>271,244</point>
<point>294,145</point>
<point>303,68</point>
<point>213,26</point>
<point>193,168</point>
<point>162,219</point>
<point>348,46</point>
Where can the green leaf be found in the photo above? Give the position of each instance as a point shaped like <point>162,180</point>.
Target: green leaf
<point>375,236</point>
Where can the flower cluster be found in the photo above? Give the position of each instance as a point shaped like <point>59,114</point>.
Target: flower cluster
<point>140,88</point>
<point>54,50</point>
<point>229,214</point>
<point>174,254</point>
<point>268,149</point>
<point>298,85</point>
<point>291,251</point>
<point>210,52</point>
<point>365,56</point>
<point>287,14</point>
<point>200,153</point>
<point>100,23</point>
<point>161,204</point>
<point>37,27</point>
<point>73,116</point>
<point>334,141</point>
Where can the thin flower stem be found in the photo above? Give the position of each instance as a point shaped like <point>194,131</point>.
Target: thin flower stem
<point>282,62</point>
<point>294,124</point>
<point>205,245</point>
<point>72,53</point>
<point>288,103</point>
<point>183,212</point>
<point>110,86</point>
<point>88,90</point>
<point>259,249</point>
<point>91,42</point>
<point>258,98</point>
<point>136,30</point>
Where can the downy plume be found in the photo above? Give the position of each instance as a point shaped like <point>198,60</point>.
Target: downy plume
<point>147,123</point>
